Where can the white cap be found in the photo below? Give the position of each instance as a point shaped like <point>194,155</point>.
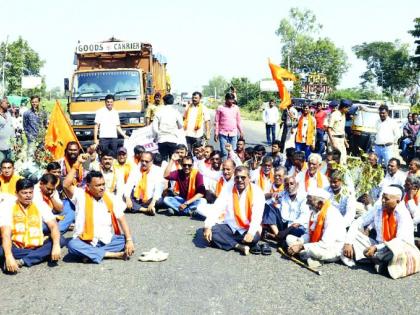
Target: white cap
<point>392,190</point>
<point>319,192</point>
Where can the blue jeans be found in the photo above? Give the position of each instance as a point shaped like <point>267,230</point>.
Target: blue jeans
<point>64,224</point>
<point>175,202</point>
<point>320,143</point>
<point>227,139</point>
<point>384,154</point>
<point>96,254</point>
<point>270,132</point>
<point>304,148</point>
<point>404,146</point>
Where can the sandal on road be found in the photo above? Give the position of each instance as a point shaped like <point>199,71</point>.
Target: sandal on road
<point>265,249</point>
<point>153,255</point>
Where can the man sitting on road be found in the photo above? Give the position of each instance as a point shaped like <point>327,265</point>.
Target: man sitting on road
<point>114,180</point>
<point>326,231</point>
<point>71,153</point>
<point>144,186</point>
<point>263,175</point>
<point>190,183</point>
<point>23,242</point>
<point>241,208</point>
<point>8,177</point>
<point>211,175</point>
<point>278,158</point>
<point>99,216</point>
<point>122,165</point>
<point>299,164</point>
<point>313,176</point>
<point>394,175</point>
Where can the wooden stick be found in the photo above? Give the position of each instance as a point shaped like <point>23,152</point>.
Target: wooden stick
<point>297,261</point>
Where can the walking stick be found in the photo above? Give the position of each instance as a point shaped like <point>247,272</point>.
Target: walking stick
<point>297,261</point>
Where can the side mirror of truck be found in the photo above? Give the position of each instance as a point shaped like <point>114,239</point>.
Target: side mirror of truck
<point>66,85</point>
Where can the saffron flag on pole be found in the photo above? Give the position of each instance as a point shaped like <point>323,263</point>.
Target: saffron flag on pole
<point>278,75</point>
<point>59,132</point>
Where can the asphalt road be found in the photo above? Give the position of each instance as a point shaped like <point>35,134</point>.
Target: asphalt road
<point>200,280</point>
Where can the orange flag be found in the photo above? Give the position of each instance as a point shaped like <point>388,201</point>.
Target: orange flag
<point>278,75</point>
<point>59,132</point>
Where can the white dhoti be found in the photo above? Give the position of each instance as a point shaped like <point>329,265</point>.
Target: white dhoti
<point>320,251</point>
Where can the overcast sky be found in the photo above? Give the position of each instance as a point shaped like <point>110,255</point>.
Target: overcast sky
<point>200,39</point>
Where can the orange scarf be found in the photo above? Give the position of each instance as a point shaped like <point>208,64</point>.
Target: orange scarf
<point>219,186</point>
<point>198,120</point>
<point>248,208</point>
<point>261,180</point>
<point>9,186</point>
<point>27,226</point>
<point>126,167</point>
<point>88,230</point>
<point>389,226</point>
<point>141,189</point>
<point>310,134</point>
<point>79,178</point>
<point>416,198</point>
<point>318,180</point>
<point>276,190</point>
<point>175,189</point>
<point>191,183</point>
<point>316,234</point>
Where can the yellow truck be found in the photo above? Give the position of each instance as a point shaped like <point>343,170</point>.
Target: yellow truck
<point>131,71</point>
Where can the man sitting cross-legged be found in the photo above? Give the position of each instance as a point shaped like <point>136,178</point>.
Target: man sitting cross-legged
<point>144,186</point>
<point>99,215</point>
<point>23,242</point>
<point>313,177</point>
<point>326,231</point>
<point>190,183</point>
<point>241,208</point>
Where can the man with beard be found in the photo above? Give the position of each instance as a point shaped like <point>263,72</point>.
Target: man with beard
<point>241,207</point>
<point>144,186</point>
<point>325,235</point>
<point>190,183</point>
<point>71,153</point>
<point>313,176</point>
<point>342,198</point>
<point>299,164</point>
<point>114,181</point>
<point>8,177</point>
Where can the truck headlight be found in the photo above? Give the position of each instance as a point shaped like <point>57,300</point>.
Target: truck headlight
<point>133,120</point>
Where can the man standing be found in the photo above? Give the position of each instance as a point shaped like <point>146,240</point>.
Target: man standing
<point>410,131</point>
<point>320,116</point>
<point>306,132</point>
<point>34,120</point>
<point>107,122</point>
<point>7,131</point>
<point>289,118</point>
<point>196,121</point>
<point>99,216</point>
<point>242,207</point>
<point>23,242</point>
<point>270,117</point>
<point>387,133</point>
<point>227,123</point>
<point>152,109</point>
<point>336,129</point>
<point>166,126</point>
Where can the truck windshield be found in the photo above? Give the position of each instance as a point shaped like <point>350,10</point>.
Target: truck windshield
<point>99,84</point>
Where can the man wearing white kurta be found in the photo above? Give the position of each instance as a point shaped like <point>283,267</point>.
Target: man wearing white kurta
<point>390,219</point>
<point>312,177</point>
<point>326,231</point>
<point>142,194</point>
<point>262,176</point>
<point>99,216</point>
<point>241,208</point>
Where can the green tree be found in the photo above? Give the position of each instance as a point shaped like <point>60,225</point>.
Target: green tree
<point>22,60</point>
<point>416,35</point>
<point>217,84</point>
<point>305,51</point>
<point>354,94</point>
<point>246,90</point>
<point>388,64</point>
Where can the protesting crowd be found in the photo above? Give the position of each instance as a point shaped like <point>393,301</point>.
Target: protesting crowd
<point>299,191</point>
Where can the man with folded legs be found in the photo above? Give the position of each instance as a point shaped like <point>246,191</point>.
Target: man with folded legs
<point>241,208</point>
<point>8,177</point>
<point>99,216</point>
<point>326,232</point>
<point>23,242</point>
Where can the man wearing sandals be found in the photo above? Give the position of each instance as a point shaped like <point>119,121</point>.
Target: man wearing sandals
<point>326,231</point>
<point>144,186</point>
<point>99,216</point>
<point>241,208</point>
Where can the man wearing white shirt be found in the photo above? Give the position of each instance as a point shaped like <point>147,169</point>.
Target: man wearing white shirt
<point>263,175</point>
<point>167,125</point>
<point>312,177</point>
<point>211,175</point>
<point>23,242</point>
<point>107,122</point>
<point>326,232</point>
<point>412,197</point>
<point>144,186</point>
<point>99,216</point>
<point>394,175</point>
<point>114,180</point>
<point>387,134</point>
<point>242,209</point>
<point>270,117</point>
<point>390,219</point>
